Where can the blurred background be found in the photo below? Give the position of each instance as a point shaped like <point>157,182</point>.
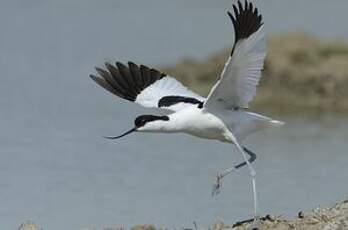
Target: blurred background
<point>57,170</point>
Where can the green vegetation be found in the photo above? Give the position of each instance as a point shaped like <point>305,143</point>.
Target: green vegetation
<point>301,73</point>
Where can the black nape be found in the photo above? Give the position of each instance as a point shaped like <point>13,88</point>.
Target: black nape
<point>143,119</point>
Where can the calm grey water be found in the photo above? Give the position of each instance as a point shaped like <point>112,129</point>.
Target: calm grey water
<point>56,169</point>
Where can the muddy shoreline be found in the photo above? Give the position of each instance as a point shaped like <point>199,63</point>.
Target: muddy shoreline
<point>332,218</point>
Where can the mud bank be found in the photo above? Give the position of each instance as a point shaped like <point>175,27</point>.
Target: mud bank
<point>333,218</point>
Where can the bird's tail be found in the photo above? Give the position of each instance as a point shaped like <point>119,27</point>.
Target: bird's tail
<point>276,123</point>
<point>253,122</point>
<point>263,122</point>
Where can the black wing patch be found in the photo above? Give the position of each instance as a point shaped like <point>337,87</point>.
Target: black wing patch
<point>143,119</point>
<point>172,100</point>
<point>245,22</point>
<point>126,81</point>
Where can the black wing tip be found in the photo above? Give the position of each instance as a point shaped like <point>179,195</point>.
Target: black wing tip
<point>99,70</point>
<point>94,77</point>
<point>120,65</point>
<point>130,63</point>
<point>246,19</point>
<point>126,80</point>
<point>108,65</point>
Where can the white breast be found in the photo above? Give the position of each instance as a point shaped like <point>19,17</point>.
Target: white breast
<point>196,122</point>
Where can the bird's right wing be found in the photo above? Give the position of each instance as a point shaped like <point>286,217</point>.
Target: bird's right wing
<point>237,84</point>
<point>145,86</point>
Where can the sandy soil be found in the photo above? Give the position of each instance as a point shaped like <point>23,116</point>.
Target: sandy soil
<point>334,218</point>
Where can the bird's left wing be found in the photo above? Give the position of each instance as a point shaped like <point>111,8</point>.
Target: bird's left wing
<point>145,86</point>
<point>237,84</point>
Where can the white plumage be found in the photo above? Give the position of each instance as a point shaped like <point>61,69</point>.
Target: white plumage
<point>223,115</point>
<point>237,84</point>
<point>167,86</point>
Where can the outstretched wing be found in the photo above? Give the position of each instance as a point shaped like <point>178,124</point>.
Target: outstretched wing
<point>237,84</point>
<point>145,86</point>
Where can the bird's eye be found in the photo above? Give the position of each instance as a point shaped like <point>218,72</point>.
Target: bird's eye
<point>140,121</point>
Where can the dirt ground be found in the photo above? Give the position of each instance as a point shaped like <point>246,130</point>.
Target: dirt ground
<point>334,218</point>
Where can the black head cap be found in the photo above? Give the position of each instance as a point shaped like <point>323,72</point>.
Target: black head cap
<point>140,121</point>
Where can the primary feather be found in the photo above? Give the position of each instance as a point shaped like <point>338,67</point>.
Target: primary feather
<point>145,86</point>
<point>237,84</point>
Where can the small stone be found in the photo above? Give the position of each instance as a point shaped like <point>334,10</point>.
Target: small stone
<point>300,215</point>
<point>325,218</point>
<point>270,218</point>
<point>29,226</point>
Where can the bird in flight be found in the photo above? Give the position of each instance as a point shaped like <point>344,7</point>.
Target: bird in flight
<point>223,115</point>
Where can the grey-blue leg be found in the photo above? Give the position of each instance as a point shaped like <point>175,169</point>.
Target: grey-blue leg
<point>253,181</point>
<point>218,183</point>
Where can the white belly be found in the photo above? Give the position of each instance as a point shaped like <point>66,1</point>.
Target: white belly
<point>201,124</point>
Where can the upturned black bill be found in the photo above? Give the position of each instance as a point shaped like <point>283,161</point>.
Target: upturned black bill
<point>126,133</point>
